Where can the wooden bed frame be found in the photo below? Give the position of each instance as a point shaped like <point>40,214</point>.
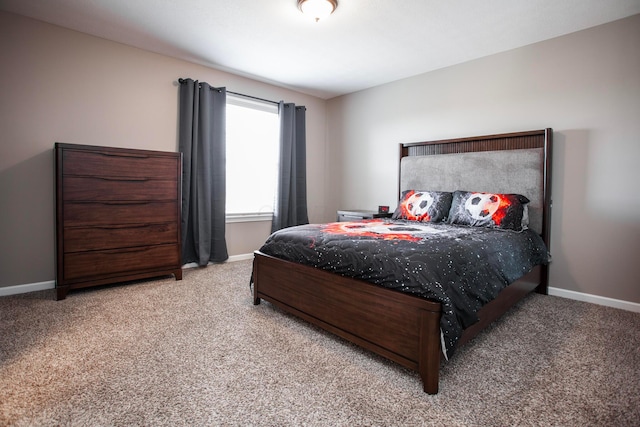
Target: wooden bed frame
<point>400,327</point>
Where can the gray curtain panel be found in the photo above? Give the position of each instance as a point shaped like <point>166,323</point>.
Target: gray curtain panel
<point>202,143</point>
<point>291,195</point>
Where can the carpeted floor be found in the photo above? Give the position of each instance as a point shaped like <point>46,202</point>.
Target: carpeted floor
<point>198,353</point>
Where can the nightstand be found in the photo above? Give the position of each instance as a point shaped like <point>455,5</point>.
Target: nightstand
<point>357,215</point>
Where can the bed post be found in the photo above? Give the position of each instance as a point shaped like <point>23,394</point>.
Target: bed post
<point>430,350</point>
<point>543,287</point>
<point>254,281</point>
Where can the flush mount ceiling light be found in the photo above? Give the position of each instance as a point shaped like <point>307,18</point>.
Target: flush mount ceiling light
<point>317,9</point>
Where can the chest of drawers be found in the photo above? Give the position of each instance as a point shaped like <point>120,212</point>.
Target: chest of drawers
<point>117,215</point>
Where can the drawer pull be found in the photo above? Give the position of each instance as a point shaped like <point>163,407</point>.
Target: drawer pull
<point>127,251</point>
<point>120,227</point>
<point>120,179</point>
<point>129,202</point>
<point>135,156</point>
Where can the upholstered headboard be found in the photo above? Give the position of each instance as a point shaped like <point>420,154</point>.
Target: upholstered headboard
<point>506,163</point>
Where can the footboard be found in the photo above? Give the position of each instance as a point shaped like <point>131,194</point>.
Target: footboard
<point>400,327</point>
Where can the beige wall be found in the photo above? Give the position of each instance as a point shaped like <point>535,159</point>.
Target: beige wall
<point>61,85</point>
<point>586,86</point>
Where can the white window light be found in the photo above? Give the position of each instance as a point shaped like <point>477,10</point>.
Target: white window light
<point>252,159</point>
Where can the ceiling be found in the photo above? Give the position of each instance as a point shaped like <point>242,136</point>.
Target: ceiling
<point>364,43</point>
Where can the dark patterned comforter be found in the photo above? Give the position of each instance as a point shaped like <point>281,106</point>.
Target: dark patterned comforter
<point>461,267</point>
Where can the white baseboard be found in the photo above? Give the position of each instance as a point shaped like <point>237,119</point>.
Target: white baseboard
<point>29,287</point>
<point>232,258</point>
<point>242,257</point>
<point>595,299</point>
<point>563,293</point>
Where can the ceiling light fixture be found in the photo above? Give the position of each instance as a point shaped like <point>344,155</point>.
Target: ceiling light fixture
<point>317,9</point>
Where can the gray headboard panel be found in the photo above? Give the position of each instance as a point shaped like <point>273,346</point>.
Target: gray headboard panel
<point>505,163</point>
<point>513,171</point>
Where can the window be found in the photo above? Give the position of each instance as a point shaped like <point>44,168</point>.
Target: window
<point>252,159</point>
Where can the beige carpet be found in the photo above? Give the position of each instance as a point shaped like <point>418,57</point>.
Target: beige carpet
<point>198,353</point>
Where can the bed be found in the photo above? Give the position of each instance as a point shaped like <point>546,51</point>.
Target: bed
<point>402,326</point>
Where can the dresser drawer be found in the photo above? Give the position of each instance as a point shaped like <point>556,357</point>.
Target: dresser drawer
<point>87,265</point>
<point>107,188</point>
<point>77,214</point>
<point>120,164</point>
<point>119,236</point>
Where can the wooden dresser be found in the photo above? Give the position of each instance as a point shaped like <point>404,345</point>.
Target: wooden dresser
<point>117,215</point>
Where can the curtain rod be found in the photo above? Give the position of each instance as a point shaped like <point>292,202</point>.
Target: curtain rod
<point>181,80</point>
<point>252,97</point>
